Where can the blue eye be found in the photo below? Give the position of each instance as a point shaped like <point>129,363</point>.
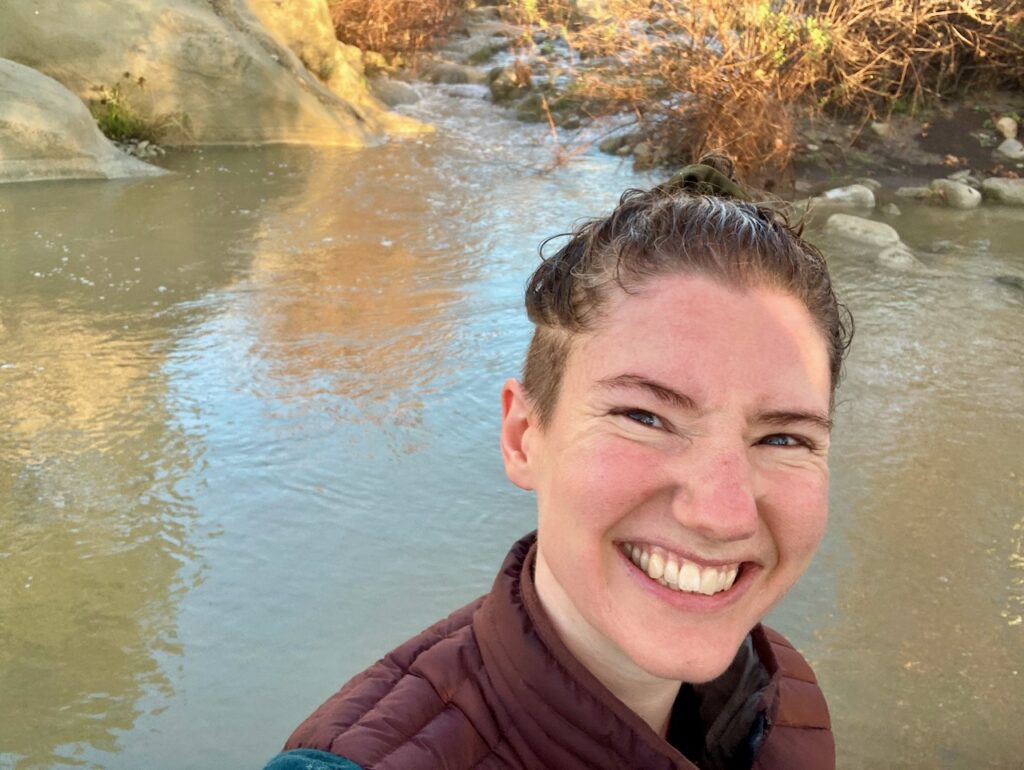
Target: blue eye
<point>641,417</point>
<point>782,439</point>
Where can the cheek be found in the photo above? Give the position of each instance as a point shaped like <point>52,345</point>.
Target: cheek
<point>599,483</point>
<point>799,512</point>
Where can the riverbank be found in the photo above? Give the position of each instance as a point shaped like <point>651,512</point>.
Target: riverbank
<point>535,70</point>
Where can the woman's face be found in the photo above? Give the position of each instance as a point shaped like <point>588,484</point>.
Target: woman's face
<point>690,435</point>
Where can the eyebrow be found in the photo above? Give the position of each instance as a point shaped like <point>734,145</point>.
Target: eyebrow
<point>675,398</point>
<point>786,417</point>
<point>659,391</point>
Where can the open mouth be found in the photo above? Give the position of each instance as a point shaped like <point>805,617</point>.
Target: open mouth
<point>679,574</point>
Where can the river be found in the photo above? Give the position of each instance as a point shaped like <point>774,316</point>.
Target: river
<point>248,443</point>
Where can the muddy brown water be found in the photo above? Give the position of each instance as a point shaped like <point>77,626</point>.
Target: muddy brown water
<point>248,442</point>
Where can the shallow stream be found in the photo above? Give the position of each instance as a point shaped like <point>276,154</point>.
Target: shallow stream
<point>248,443</point>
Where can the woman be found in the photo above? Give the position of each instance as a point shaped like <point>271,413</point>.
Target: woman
<point>673,421</point>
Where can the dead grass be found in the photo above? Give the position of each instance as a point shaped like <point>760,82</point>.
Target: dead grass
<point>392,27</point>
<point>733,75</point>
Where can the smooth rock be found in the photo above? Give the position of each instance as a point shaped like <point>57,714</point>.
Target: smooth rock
<point>1004,190</point>
<point>956,195</point>
<point>889,248</point>
<point>872,184</point>
<point>393,92</point>
<point>891,210</point>
<point>1007,127</point>
<point>46,132</point>
<point>450,73</point>
<point>1012,149</point>
<point>206,72</point>
<point>922,193</point>
<point>857,195</point>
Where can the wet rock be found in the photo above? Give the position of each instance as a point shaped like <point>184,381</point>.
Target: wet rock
<point>450,73</point>
<point>1007,127</point>
<point>46,132</point>
<point>1010,281</point>
<point>872,184</point>
<point>920,193</point>
<point>866,231</point>
<point>1012,149</point>
<point>891,210</point>
<point>532,108</point>
<point>1003,190</point>
<point>612,144</point>
<point>956,195</point>
<point>967,177</point>
<point>856,195</point>
<point>393,92</point>
<point>508,83</point>
<point>889,248</point>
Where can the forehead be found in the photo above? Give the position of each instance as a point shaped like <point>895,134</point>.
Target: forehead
<point>711,339</point>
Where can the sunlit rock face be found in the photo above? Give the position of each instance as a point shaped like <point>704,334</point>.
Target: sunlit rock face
<point>46,132</point>
<point>204,72</point>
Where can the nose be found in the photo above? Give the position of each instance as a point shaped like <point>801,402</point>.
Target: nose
<point>716,497</point>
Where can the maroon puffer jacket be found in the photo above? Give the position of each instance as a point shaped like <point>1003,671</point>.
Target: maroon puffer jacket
<point>492,686</point>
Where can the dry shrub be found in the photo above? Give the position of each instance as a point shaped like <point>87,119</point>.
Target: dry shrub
<point>392,26</point>
<point>732,75</point>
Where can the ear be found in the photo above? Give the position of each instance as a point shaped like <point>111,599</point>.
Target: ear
<point>518,426</point>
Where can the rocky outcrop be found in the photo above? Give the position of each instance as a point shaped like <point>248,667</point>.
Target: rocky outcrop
<point>205,71</point>
<point>46,132</point>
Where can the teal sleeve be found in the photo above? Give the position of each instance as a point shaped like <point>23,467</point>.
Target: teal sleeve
<point>310,759</point>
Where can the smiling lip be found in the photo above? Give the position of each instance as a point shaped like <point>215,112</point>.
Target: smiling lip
<point>685,582</point>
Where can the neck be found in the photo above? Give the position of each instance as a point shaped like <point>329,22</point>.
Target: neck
<point>648,696</point>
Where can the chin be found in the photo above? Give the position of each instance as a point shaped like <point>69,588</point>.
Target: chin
<point>699,661</point>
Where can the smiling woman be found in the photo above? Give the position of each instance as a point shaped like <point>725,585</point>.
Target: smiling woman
<point>673,421</point>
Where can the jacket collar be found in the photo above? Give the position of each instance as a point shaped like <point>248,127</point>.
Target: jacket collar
<point>563,713</point>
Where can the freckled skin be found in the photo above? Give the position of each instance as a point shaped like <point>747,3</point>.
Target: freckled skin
<point>715,482</point>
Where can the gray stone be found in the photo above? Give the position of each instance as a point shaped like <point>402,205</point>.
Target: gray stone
<point>1003,190</point>
<point>46,132</point>
<point>1012,149</point>
<point>451,73</point>
<point>921,193</point>
<point>956,195</point>
<point>1007,127</point>
<point>856,195</point>
<point>891,210</point>
<point>393,92</point>
<point>507,84</point>
<point>865,231</point>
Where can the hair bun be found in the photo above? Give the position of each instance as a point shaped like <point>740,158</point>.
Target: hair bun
<point>712,175</point>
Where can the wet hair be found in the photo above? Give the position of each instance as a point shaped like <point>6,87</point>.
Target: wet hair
<point>695,224</point>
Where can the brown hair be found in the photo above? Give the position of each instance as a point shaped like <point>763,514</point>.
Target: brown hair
<point>687,227</point>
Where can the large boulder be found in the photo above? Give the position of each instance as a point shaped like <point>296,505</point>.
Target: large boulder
<point>46,132</point>
<point>203,71</point>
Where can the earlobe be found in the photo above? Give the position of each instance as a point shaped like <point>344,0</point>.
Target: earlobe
<point>517,424</point>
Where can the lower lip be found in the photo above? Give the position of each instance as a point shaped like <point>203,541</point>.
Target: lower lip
<point>686,600</point>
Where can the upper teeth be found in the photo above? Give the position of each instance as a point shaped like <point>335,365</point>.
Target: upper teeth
<point>678,573</point>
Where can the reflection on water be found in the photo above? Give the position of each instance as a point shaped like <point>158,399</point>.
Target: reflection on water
<point>95,529</point>
<point>248,420</point>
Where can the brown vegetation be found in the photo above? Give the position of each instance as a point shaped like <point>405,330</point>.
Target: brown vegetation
<point>392,26</point>
<point>733,75</point>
